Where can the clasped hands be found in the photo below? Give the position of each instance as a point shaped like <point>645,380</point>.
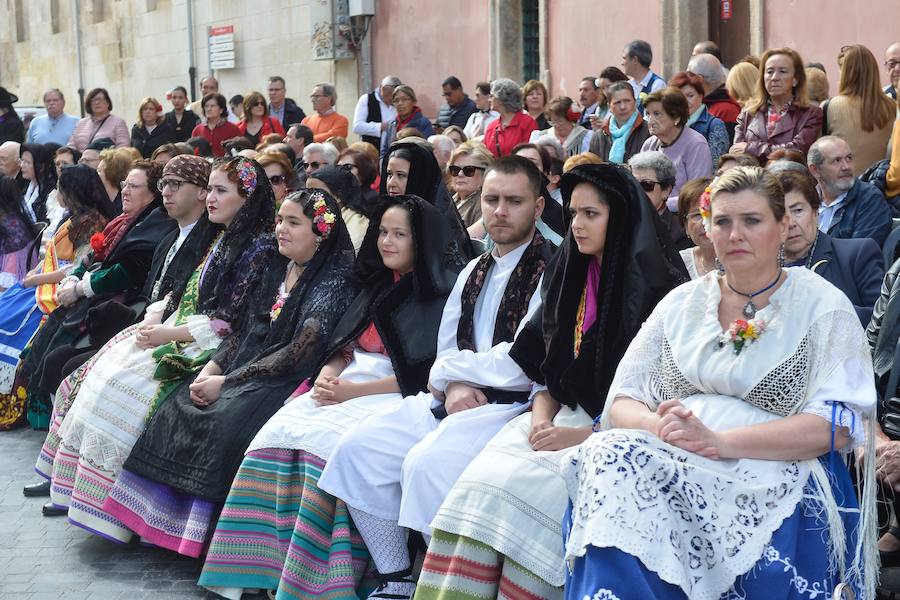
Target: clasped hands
<point>207,387</point>
<point>680,427</point>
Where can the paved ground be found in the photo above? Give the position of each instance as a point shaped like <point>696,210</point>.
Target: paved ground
<point>46,558</point>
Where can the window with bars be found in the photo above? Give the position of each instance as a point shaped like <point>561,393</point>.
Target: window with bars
<point>531,40</point>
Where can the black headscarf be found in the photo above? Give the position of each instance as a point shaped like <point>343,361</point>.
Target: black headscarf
<point>246,249</point>
<point>427,182</point>
<point>407,314</point>
<point>639,267</point>
<point>16,228</point>
<point>44,174</point>
<point>345,187</point>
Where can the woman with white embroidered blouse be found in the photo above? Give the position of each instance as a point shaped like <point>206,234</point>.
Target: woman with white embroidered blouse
<point>718,469</point>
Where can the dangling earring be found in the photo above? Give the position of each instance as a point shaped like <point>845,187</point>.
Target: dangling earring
<point>781,257</point>
<point>719,266</point>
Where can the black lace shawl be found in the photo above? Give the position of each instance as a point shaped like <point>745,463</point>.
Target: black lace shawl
<point>427,182</point>
<point>44,174</point>
<point>16,228</point>
<point>246,250</point>
<point>639,267</point>
<point>345,186</point>
<point>198,450</point>
<point>407,314</point>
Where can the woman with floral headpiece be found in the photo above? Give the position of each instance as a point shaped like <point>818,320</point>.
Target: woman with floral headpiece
<point>181,467</point>
<point>140,367</point>
<point>381,351</point>
<point>719,468</point>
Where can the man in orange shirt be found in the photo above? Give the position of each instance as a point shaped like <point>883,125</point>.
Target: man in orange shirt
<point>325,122</point>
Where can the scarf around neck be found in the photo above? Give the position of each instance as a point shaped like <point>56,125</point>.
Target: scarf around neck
<point>619,137</point>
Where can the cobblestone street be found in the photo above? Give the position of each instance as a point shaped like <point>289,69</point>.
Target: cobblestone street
<point>45,558</point>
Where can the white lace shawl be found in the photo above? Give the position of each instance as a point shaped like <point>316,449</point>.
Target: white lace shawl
<point>701,523</point>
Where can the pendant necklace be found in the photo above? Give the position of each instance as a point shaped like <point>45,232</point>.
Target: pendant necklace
<point>749,310</point>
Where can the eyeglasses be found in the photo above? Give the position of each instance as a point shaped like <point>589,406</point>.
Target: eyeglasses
<point>174,184</point>
<point>694,217</point>
<point>648,185</point>
<point>277,179</point>
<point>313,97</point>
<point>258,103</point>
<point>125,185</point>
<point>468,171</point>
<point>314,164</point>
<point>891,64</point>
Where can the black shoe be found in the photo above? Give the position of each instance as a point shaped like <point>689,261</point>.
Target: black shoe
<point>398,577</point>
<point>51,510</point>
<point>37,489</point>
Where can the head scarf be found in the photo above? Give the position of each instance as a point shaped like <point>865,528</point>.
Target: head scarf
<point>192,169</point>
<point>16,229</point>
<point>344,185</point>
<point>638,268</point>
<point>44,174</point>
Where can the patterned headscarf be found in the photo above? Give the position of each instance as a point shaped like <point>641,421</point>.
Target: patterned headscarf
<point>192,169</point>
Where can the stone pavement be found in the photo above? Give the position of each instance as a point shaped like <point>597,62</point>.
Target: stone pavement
<point>47,558</point>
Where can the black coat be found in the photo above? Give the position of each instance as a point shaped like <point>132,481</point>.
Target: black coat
<point>11,128</point>
<point>181,132</point>
<point>292,114</point>
<point>147,141</point>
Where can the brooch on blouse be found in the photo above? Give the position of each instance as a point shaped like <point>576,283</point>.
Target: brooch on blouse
<point>742,334</point>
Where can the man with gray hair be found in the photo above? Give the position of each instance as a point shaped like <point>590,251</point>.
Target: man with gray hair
<point>325,122</point>
<point>716,97</point>
<point>636,59</point>
<point>375,111</point>
<point>850,208</point>
<point>318,155</point>
<point>10,165</point>
<point>56,126</point>
<point>655,173</point>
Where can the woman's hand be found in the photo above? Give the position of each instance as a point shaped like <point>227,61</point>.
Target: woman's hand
<point>552,438</point>
<point>537,426</point>
<point>153,336</point>
<point>206,389</point>
<point>331,390</point>
<point>738,148</point>
<point>680,427</point>
<point>67,294</point>
<point>152,318</point>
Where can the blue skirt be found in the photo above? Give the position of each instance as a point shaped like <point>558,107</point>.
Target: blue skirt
<point>794,565</point>
<point>19,319</point>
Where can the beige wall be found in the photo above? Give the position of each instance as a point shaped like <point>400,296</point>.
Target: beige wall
<point>868,22</point>
<point>425,42</point>
<point>135,52</point>
<point>586,37</point>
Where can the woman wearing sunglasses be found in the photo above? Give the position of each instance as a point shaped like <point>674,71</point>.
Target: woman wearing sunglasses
<point>257,123</point>
<point>278,170</point>
<point>467,166</point>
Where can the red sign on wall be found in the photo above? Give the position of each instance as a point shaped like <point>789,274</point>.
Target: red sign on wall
<point>726,9</point>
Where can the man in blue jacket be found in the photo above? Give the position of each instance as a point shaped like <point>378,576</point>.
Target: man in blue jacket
<point>850,208</point>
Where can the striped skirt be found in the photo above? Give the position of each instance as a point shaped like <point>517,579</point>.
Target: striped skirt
<point>279,531</point>
<point>460,568</point>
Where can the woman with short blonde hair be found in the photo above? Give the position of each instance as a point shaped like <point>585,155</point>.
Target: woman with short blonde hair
<point>467,165</point>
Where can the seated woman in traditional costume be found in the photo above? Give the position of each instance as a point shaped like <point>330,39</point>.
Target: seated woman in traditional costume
<point>181,468</point>
<point>140,367</point>
<point>16,235</point>
<point>381,351</point>
<point>719,469</point>
<point>502,515</point>
<point>113,273</point>
<point>25,305</point>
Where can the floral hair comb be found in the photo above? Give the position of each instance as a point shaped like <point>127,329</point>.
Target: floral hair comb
<point>323,218</point>
<point>246,173</point>
<point>706,208</point>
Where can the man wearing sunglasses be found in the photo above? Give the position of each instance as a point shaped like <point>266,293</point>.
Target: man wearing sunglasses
<point>316,156</point>
<point>655,173</point>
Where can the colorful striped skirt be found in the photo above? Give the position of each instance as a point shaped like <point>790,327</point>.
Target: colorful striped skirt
<point>279,531</point>
<point>460,568</point>
<point>160,514</point>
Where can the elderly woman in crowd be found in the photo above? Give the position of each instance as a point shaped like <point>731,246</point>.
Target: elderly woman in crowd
<point>408,115</point>
<point>151,129</point>
<point>497,532</point>
<point>467,166</point>
<point>701,259</point>
<point>741,82</point>
<point>536,98</point>
<point>216,130</point>
<point>481,118</point>
<point>667,115</point>
<point>621,135</point>
<point>608,76</point>
<point>701,121</point>
<point>280,173</point>
<point>24,305</point>
<point>854,265</point>
<point>513,127</point>
<point>257,123</point>
<point>100,122</point>
<point>656,174</point>
<point>113,168</point>
<point>724,430</point>
<point>563,119</point>
<point>780,115</point>
<point>861,113</point>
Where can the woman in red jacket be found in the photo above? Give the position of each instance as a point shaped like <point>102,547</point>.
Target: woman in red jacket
<point>257,123</point>
<point>514,127</point>
<point>780,115</point>
<point>217,129</point>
